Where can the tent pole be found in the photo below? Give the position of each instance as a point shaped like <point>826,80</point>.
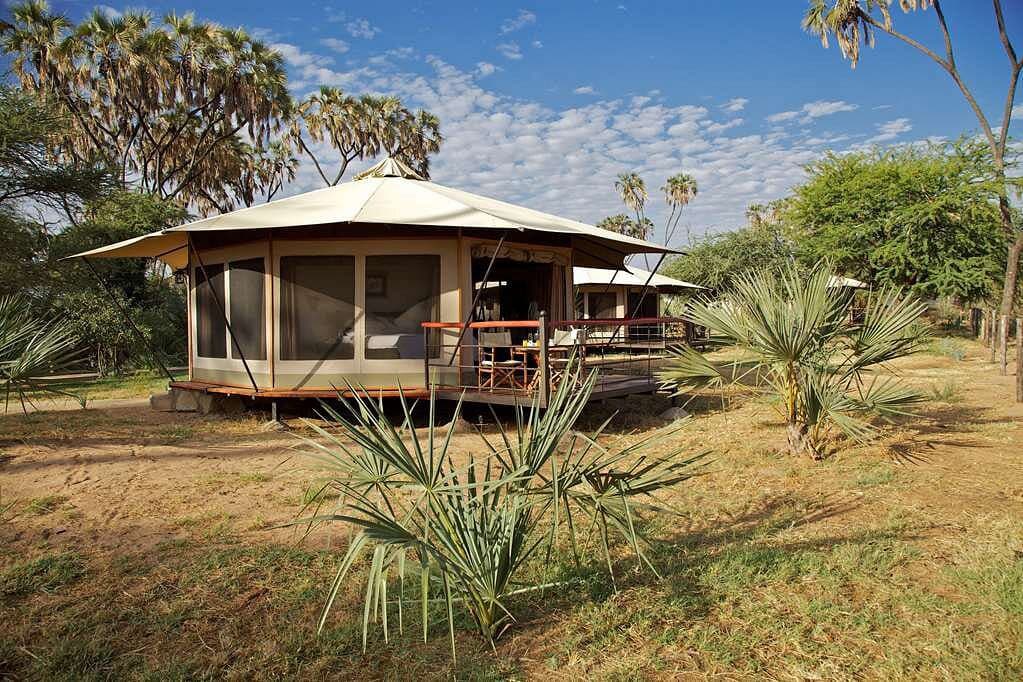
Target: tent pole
<point>220,307</point>
<point>127,317</point>
<point>476,298</point>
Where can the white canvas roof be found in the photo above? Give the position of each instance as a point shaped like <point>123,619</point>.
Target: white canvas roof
<point>391,194</point>
<point>838,282</point>
<point>628,276</point>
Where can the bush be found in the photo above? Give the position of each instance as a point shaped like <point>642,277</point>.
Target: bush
<point>463,533</point>
<point>799,339</point>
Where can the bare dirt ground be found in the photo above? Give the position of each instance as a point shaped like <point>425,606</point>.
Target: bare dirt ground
<point>899,559</point>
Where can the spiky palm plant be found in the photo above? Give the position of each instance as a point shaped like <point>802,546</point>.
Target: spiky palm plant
<point>800,342</point>
<point>463,531</point>
<point>30,347</point>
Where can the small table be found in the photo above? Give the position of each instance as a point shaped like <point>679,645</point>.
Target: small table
<point>533,352</point>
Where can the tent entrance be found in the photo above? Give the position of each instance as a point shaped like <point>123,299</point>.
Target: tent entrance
<point>517,290</point>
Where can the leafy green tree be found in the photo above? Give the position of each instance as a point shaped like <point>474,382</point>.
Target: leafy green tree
<point>155,303</point>
<point>800,343</point>
<point>922,218</point>
<point>719,260</point>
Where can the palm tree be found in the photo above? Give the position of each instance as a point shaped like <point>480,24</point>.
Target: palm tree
<point>678,190</point>
<point>160,102</point>
<point>632,190</point>
<point>362,127</point>
<point>798,338</point>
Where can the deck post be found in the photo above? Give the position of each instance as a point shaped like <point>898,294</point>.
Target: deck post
<point>544,361</point>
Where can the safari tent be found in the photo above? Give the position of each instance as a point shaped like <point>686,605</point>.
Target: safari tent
<point>375,282</point>
<point>629,292</point>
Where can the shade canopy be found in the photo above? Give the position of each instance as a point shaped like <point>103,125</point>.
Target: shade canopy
<point>839,282</point>
<point>389,194</point>
<point>629,276</point>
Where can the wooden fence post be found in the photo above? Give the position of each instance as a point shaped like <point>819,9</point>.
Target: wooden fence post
<point>1003,340</point>
<point>1019,359</point>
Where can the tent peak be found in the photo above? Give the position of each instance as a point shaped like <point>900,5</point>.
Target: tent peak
<point>390,167</point>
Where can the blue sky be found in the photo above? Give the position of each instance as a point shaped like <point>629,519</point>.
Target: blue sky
<point>544,103</point>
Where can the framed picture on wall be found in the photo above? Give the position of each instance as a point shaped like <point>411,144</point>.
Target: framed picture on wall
<point>376,284</point>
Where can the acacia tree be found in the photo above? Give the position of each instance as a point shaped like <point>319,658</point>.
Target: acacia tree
<point>919,217</point>
<point>182,108</point>
<point>362,127</point>
<point>853,23</point>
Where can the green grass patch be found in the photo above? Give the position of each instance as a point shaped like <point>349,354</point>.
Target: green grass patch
<point>47,504</point>
<point>44,574</point>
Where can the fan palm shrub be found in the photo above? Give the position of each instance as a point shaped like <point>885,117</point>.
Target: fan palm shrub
<point>462,528</point>
<point>798,339</point>
<point>31,346</point>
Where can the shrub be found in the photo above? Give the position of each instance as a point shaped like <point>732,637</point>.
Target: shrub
<point>800,341</point>
<point>463,533</point>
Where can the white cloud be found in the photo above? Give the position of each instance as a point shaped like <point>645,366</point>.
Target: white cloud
<point>735,104</point>
<point>537,44</point>
<point>782,116</point>
<point>714,128</point>
<point>825,108</point>
<point>502,146</point>
<point>309,70</point>
<point>106,10</point>
<point>509,50</point>
<point>484,69</point>
<point>585,90</point>
<point>1017,111</point>
<point>521,20</point>
<point>335,44</point>
<point>361,28</point>
<point>890,130</point>
<point>812,110</point>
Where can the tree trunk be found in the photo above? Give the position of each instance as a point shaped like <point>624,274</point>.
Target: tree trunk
<point>1011,273</point>
<point>993,334</point>
<point>799,441</point>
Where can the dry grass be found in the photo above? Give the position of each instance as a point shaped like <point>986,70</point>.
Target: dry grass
<point>902,560</point>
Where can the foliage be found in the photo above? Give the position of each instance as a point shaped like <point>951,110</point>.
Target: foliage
<point>678,191</point>
<point>949,348</point>
<point>623,224</point>
<point>155,303</point>
<point>28,126</point>
<point>801,344</point>
<point>921,218</point>
<point>362,127</point>
<point>167,103</point>
<point>31,346</point>
<point>466,532</point>
<point>718,260</point>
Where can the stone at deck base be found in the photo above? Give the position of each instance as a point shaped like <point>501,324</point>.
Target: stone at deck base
<point>674,414</point>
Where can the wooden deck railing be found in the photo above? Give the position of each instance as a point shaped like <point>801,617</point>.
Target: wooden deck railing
<point>624,353</point>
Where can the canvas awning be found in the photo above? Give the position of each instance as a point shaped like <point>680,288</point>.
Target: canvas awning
<point>839,282</point>
<point>391,194</point>
<point>629,276</point>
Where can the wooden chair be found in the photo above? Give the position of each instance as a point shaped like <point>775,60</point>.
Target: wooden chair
<point>491,372</point>
<point>566,345</point>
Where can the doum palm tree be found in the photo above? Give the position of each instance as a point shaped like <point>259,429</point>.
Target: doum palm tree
<point>678,190</point>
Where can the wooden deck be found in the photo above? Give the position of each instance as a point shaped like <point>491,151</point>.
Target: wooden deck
<point>609,386</point>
